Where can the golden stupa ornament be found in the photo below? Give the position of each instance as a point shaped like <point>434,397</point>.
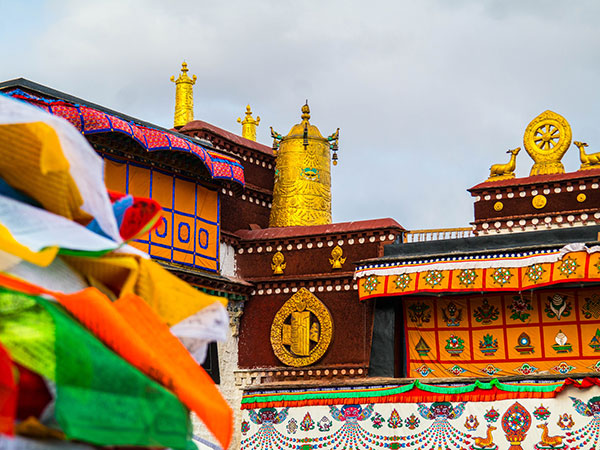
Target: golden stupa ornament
<point>546,139</point>
<point>278,263</point>
<point>302,191</point>
<point>184,97</point>
<point>505,171</point>
<point>301,330</point>
<point>249,125</point>
<point>336,259</point>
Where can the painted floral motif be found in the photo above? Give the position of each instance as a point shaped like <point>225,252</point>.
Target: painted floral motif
<point>424,370</point>
<point>595,367</point>
<point>486,313</point>
<point>565,421</point>
<point>490,370</point>
<point>519,307</point>
<point>526,369</point>
<point>591,307</point>
<point>370,283</point>
<point>558,306</point>
<point>307,423</point>
<point>595,342</point>
<point>501,276</point>
<point>492,415</point>
<point>292,426</point>
<point>456,370</point>
<point>419,313</point>
<point>412,422</point>
<point>394,421</point>
<point>403,281</point>
<point>563,368</point>
<point>245,427</point>
<point>515,423</point>
<point>422,348</point>
<point>568,267</point>
<point>488,345</point>
<point>467,277</point>
<point>434,278</point>
<point>471,422</point>
<point>377,420</point>
<point>452,315</point>
<point>541,413</point>
<point>535,272</point>
<point>455,345</point>
<point>324,424</point>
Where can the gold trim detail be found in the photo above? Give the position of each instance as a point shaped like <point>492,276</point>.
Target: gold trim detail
<point>301,330</point>
<point>539,201</point>
<point>278,263</point>
<point>546,139</point>
<point>498,206</point>
<point>581,197</point>
<point>336,259</point>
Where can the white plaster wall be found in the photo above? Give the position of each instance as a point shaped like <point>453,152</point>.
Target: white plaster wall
<point>227,260</point>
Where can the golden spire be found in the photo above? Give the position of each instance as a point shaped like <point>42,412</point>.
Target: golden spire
<point>249,125</point>
<point>184,97</point>
<point>302,191</point>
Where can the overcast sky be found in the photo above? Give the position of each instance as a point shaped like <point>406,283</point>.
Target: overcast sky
<point>427,93</point>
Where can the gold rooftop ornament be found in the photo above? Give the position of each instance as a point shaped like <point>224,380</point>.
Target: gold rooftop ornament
<point>249,125</point>
<point>301,330</point>
<point>302,191</point>
<point>184,97</point>
<point>546,139</point>
<point>505,171</point>
<point>588,160</point>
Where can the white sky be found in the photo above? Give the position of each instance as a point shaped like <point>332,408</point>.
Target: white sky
<point>427,93</point>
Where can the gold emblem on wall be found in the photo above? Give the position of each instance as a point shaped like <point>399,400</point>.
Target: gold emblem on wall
<point>302,330</point>
<point>546,139</point>
<point>539,201</point>
<point>498,206</point>
<point>278,263</point>
<point>336,259</point>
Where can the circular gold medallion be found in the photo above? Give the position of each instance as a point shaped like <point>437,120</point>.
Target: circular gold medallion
<point>546,139</point>
<point>301,330</point>
<point>498,206</point>
<point>581,197</point>
<point>539,201</point>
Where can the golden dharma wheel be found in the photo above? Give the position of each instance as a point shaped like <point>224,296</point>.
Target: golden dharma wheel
<point>546,139</point>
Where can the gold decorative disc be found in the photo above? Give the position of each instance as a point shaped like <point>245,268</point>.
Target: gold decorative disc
<point>546,139</point>
<point>498,206</point>
<point>581,197</point>
<point>301,330</point>
<point>539,201</point>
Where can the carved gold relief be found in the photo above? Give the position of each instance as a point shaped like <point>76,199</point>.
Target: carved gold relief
<point>581,197</point>
<point>301,330</point>
<point>302,189</point>
<point>278,263</point>
<point>184,97</point>
<point>546,139</point>
<point>498,206</point>
<point>336,259</point>
<point>539,201</point>
<point>249,125</point>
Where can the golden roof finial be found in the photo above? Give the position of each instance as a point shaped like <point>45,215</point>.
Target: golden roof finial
<point>305,111</point>
<point>184,97</point>
<point>249,125</point>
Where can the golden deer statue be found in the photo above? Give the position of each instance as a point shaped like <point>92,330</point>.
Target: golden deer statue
<point>591,161</point>
<point>487,441</point>
<point>549,441</point>
<point>505,171</point>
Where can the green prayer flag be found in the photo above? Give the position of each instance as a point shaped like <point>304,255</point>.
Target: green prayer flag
<point>100,397</point>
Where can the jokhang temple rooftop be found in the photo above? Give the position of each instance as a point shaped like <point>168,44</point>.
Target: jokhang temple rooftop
<point>364,335</point>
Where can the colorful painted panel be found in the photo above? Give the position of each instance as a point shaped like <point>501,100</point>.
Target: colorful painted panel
<point>188,232</point>
<point>549,332</point>
<point>503,276</point>
<point>569,421</point>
